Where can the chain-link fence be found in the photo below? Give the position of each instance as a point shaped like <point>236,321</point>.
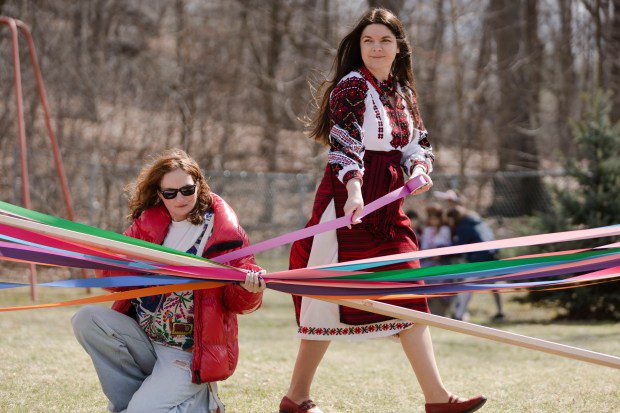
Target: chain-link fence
<point>503,194</point>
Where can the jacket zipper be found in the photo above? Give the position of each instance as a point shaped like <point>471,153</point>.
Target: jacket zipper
<point>197,332</point>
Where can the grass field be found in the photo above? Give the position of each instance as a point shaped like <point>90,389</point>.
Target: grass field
<point>43,369</point>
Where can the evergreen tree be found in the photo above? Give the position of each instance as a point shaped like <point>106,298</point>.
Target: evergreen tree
<point>591,200</point>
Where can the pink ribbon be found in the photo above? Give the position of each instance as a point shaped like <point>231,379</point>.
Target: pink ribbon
<point>403,191</point>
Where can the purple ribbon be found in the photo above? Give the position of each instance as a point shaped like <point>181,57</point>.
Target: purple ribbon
<point>403,191</point>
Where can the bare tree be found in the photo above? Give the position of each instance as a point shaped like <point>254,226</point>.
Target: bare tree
<point>534,65</point>
<point>598,11</point>
<point>436,46</point>
<point>513,110</point>
<point>228,81</point>
<point>517,146</point>
<point>459,90</point>
<point>614,48</point>
<point>566,75</point>
<point>266,47</point>
<point>479,124</point>
<point>185,89</point>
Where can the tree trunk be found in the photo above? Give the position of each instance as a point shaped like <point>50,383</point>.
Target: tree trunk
<point>513,111</point>
<point>271,128</point>
<point>221,157</point>
<point>459,94</point>
<point>517,149</point>
<point>327,29</point>
<point>267,80</point>
<point>614,52</point>
<point>567,78</point>
<point>536,198</point>
<point>430,82</point>
<point>534,50</point>
<point>477,118</point>
<point>597,9</point>
<point>186,103</point>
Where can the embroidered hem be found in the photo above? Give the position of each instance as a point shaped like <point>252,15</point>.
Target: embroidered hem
<point>390,326</point>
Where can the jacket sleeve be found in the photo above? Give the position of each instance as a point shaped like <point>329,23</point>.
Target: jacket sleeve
<point>241,301</point>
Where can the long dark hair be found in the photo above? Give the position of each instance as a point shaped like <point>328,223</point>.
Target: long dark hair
<point>349,58</point>
<point>143,194</point>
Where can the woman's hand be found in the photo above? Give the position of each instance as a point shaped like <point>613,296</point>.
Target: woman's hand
<point>355,202</point>
<point>254,282</point>
<point>419,171</point>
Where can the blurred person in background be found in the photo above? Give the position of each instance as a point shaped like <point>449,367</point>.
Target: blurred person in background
<point>468,228</point>
<point>436,234</point>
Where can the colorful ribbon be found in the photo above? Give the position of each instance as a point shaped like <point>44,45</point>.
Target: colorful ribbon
<point>27,236</point>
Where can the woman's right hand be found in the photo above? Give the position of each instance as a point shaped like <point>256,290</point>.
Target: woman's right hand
<point>419,170</point>
<point>355,201</point>
<point>254,281</point>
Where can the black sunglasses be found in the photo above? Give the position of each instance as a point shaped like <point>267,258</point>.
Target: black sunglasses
<point>170,193</point>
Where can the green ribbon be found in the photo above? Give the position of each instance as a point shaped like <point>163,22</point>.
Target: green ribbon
<point>457,269</point>
<point>87,229</point>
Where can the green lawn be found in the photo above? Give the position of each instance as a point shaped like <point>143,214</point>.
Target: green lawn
<point>43,369</point>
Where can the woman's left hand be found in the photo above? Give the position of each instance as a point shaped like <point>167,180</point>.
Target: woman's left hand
<point>419,171</point>
<point>254,281</point>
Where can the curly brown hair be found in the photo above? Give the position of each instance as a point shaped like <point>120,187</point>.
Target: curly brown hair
<point>143,192</point>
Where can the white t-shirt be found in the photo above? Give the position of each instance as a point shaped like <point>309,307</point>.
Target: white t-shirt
<point>183,234</point>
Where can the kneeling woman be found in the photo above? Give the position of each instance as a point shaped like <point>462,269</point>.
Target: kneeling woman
<point>163,353</point>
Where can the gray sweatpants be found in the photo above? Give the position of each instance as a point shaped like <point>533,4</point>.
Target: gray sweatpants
<point>136,374</point>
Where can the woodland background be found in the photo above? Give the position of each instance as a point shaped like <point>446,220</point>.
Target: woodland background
<point>504,86</point>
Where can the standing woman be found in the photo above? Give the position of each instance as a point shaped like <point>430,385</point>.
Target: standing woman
<point>369,118</point>
<point>164,353</point>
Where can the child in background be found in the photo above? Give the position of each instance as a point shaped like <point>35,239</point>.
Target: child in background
<point>435,234</point>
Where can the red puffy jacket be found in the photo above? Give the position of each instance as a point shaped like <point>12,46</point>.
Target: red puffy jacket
<point>215,310</point>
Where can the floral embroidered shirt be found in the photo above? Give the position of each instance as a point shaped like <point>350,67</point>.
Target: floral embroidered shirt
<point>169,318</point>
<point>370,115</point>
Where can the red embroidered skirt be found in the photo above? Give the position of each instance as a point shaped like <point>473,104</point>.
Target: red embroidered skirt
<point>384,232</point>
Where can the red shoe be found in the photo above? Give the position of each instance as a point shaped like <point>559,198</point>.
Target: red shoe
<point>455,406</point>
<point>289,406</point>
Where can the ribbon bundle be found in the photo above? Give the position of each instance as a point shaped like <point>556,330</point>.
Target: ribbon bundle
<point>32,237</point>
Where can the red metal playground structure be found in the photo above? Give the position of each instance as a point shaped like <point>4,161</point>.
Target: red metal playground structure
<point>16,27</point>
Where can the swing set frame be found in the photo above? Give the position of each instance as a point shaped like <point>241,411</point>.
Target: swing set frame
<point>15,28</point>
